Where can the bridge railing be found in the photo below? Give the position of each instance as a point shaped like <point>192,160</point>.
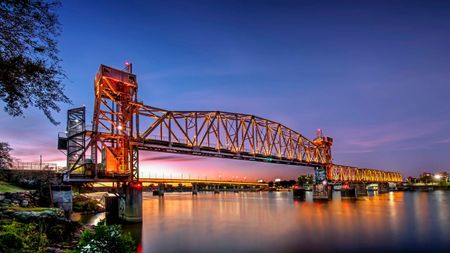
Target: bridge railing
<point>36,166</point>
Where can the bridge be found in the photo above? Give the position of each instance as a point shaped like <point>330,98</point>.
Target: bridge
<point>123,125</point>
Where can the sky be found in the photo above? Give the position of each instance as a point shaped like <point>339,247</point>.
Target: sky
<point>374,75</point>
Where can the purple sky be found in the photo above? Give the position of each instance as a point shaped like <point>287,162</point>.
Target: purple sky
<point>373,75</point>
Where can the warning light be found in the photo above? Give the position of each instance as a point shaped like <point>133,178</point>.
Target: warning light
<point>136,185</point>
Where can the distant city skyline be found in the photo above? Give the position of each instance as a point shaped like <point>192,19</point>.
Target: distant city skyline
<point>373,75</point>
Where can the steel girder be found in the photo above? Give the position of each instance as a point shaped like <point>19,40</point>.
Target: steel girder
<point>220,133</point>
<point>342,173</point>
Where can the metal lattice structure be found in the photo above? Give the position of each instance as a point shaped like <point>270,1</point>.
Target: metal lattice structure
<point>342,173</point>
<point>122,126</point>
<point>75,132</point>
<point>114,117</point>
<point>229,135</point>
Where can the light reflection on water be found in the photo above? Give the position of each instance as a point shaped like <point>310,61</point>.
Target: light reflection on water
<point>274,222</point>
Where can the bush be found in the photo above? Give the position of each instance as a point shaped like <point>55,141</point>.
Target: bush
<point>57,233</point>
<point>21,237</point>
<point>106,239</point>
<point>10,242</point>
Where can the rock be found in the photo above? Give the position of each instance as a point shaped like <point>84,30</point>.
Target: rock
<point>3,205</point>
<point>15,202</point>
<point>2,197</point>
<point>24,203</point>
<point>7,201</point>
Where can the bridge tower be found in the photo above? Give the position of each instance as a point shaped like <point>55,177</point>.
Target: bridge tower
<point>322,175</point>
<point>114,132</point>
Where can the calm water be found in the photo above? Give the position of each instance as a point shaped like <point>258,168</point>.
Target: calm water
<point>274,222</point>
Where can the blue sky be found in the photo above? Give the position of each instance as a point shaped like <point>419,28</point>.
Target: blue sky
<point>372,74</point>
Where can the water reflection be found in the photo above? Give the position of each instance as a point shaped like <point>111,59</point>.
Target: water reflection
<point>274,222</point>
<point>88,219</point>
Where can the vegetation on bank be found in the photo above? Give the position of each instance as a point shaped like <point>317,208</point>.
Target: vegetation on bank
<point>22,237</point>
<point>105,239</point>
<point>34,229</point>
<point>6,187</point>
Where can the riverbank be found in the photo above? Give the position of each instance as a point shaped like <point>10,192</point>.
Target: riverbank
<point>26,226</point>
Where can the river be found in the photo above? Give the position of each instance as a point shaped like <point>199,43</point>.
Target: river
<point>275,222</point>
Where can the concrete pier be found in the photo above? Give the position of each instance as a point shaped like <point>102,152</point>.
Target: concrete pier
<point>299,192</point>
<point>322,192</point>
<point>194,189</point>
<point>354,190</point>
<point>216,189</point>
<point>130,202</point>
<point>161,189</point>
<point>361,189</point>
<point>383,187</point>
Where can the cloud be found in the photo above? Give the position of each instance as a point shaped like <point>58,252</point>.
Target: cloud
<point>405,135</point>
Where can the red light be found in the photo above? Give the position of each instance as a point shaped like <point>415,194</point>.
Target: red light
<point>136,185</point>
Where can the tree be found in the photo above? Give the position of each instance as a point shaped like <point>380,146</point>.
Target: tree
<point>305,180</point>
<point>30,72</point>
<point>5,156</point>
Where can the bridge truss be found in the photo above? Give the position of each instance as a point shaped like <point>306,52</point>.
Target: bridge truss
<point>122,126</point>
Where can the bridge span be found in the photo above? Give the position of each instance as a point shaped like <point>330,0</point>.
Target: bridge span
<point>123,125</point>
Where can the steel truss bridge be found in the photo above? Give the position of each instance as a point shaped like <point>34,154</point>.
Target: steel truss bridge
<point>122,126</point>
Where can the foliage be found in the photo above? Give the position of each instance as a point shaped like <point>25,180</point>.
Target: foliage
<point>5,156</point>
<point>21,237</point>
<point>30,72</point>
<point>6,187</point>
<point>305,180</point>
<point>285,183</point>
<point>106,239</point>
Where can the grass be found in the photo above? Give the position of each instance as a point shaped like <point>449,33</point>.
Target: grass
<point>28,209</point>
<point>6,187</point>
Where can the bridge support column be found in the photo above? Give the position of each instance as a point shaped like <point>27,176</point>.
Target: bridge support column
<point>235,189</point>
<point>216,189</point>
<point>299,192</point>
<point>361,189</point>
<point>194,189</point>
<point>348,191</point>
<point>322,190</point>
<point>383,187</point>
<point>130,203</point>
<point>159,191</point>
